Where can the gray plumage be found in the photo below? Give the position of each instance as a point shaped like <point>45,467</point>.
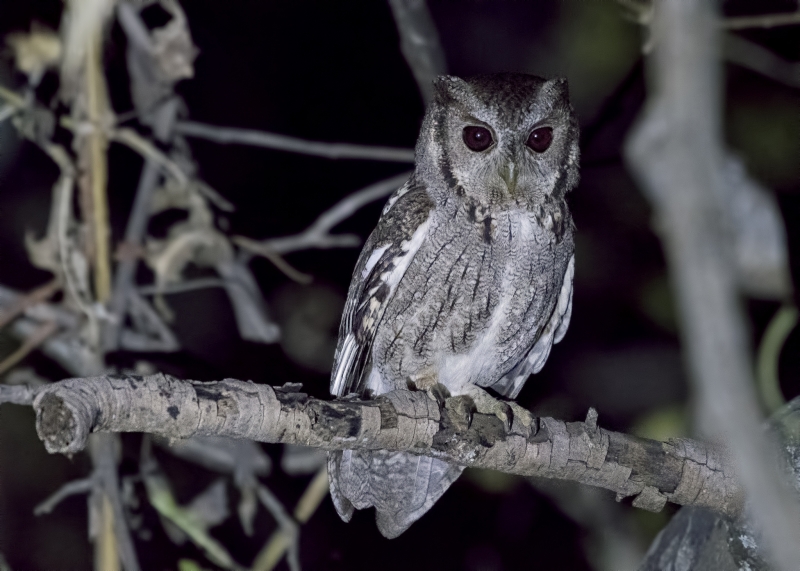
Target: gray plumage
<point>467,279</point>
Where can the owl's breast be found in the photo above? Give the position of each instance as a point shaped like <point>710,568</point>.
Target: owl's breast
<point>472,302</point>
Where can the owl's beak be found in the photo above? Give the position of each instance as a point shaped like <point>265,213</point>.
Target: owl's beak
<point>509,173</point>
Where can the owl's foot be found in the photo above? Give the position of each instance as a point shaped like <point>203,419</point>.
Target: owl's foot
<point>506,411</point>
<point>459,408</point>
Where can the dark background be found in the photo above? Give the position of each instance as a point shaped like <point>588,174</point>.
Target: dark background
<point>332,71</point>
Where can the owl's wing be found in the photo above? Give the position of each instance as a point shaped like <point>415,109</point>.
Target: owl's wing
<point>387,254</point>
<point>512,382</point>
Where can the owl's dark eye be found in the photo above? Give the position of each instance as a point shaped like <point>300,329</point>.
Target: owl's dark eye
<point>539,140</point>
<point>477,138</point>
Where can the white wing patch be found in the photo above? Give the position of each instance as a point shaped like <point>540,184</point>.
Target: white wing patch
<point>409,249</point>
<point>564,308</point>
<point>366,312</point>
<point>373,259</point>
<point>344,364</point>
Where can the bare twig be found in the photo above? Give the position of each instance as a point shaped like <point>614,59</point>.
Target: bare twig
<point>41,311</point>
<point>136,142</point>
<point>675,152</point>
<point>766,21</point>
<point>40,294</point>
<point>150,333</point>
<point>642,12</point>
<point>315,492</point>
<point>750,55</point>
<point>72,488</point>
<point>193,520</point>
<point>12,98</point>
<point>680,471</point>
<point>17,394</point>
<point>101,513</point>
<point>74,277</point>
<point>419,42</point>
<point>260,249</point>
<point>737,49</point>
<point>106,497</point>
<point>318,235</point>
<point>97,108</point>
<point>189,285</point>
<point>769,353</point>
<point>7,111</point>
<point>249,307</point>
<point>286,538</point>
<point>83,85</point>
<point>152,94</point>
<point>136,228</point>
<point>227,135</point>
<point>30,344</point>
<point>219,454</point>
<point>65,348</point>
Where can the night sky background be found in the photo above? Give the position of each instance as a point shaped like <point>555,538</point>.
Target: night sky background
<point>333,71</point>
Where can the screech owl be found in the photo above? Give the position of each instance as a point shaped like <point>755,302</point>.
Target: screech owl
<point>466,282</point>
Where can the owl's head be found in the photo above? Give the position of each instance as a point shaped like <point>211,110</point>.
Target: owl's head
<point>503,139</point>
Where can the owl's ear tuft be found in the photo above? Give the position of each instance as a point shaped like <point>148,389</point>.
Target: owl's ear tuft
<point>557,85</point>
<point>448,87</point>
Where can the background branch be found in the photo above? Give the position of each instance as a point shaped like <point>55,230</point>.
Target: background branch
<point>765,21</point>
<point>419,42</point>
<point>318,235</point>
<point>676,153</point>
<point>228,135</point>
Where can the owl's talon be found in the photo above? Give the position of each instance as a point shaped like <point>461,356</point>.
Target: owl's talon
<point>460,410</point>
<point>440,394</point>
<point>506,415</point>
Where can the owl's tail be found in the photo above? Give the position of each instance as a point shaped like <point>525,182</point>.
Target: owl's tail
<point>401,486</point>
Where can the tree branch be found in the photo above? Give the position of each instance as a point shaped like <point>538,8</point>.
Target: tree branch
<point>676,154</point>
<point>766,21</point>
<point>419,42</point>
<point>318,235</point>
<point>228,135</point>
<point>680,471</point>
<point>752,56</point>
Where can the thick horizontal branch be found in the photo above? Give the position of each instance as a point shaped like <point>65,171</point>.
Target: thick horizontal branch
<point>681,471</point>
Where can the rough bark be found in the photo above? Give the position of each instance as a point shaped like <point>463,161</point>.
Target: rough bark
<point>681,471</point>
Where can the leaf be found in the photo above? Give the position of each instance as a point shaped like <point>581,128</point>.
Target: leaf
<point>201,246</point>
<point>35,51</point>
<point>193,520</point>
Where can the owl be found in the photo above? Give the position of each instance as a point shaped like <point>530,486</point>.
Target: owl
<point>466,282</point>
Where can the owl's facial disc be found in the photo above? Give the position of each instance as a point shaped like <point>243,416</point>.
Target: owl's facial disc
<point>506,140</point>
